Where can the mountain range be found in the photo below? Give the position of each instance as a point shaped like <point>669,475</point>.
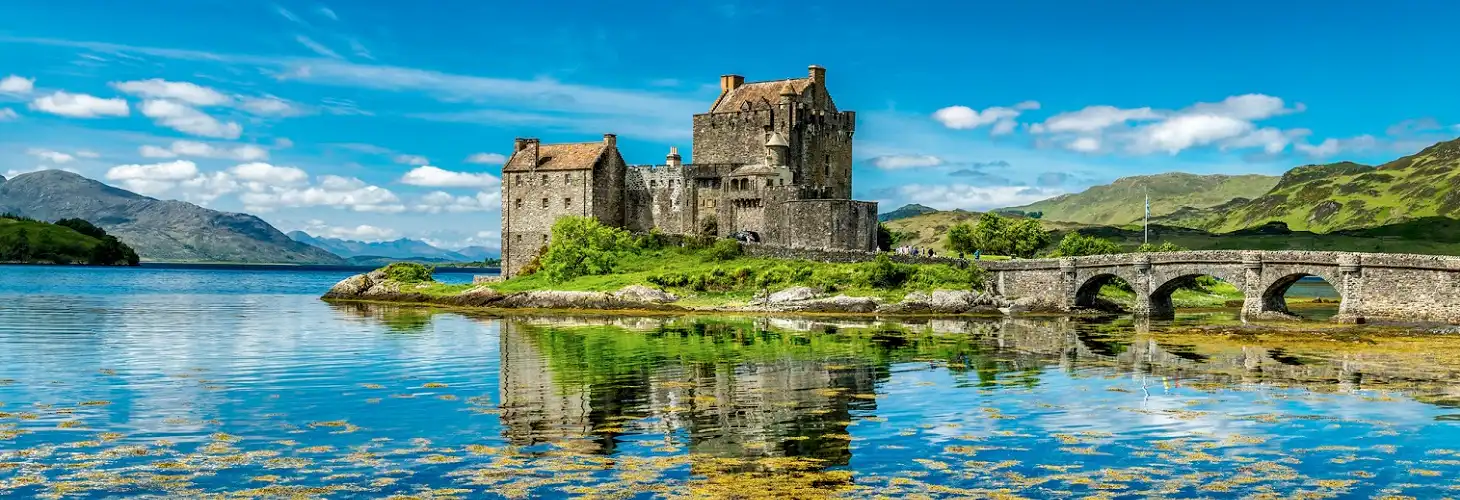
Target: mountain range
<point>159,230</point>
<point>403,248</point>
<point>1123,201</point>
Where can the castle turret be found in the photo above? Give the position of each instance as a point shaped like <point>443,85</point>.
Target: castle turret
<point>672,159</point>
<point>787,93</point>
<point>778,151</point>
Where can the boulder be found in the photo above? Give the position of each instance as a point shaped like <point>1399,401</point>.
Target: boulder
<point>952,301</point>
<point>350,287</point>
<point>837,304</point>
<point>793,294</point>
<point>641,293</point>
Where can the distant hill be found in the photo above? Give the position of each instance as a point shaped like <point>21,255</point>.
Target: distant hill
<point>906,211</point>
<point>1346,196</point>
<point>404,248</point>
<point>159,230</point>
<point>1123,201</point>
<point>72,241</point>
<point>480,252</point>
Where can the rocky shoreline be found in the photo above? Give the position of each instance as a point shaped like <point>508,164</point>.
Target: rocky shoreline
<point>375,287</point>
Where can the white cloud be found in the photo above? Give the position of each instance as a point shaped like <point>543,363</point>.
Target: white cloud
<point>487,158</point>
<point>1084,144</point>
<point>412,160</point>
<point>14,84</point>
<point>1331,146</point>
<point>269,175</point>
<point>338,183</point>
<point>153,179</point>
<point>441,201</point>
<point>183,92</point>
<point>317,47</point>
<point>189,120</point>
<point>245,152</point>
<point>79,105</point>
<point>366,199</point>
<point>269,106</point>
<point>326,12</point>
<point>947,197</point>
<point>1228,124</point>
<point>964,117</point>
<point>1093,119</point>
<point>7,114</point>
<point>894,162</point>
<point>430,176</point>
<point>51,156</point>
<point>363,232</point>
<point>286,14</point>
<point>83,153</point>
<point>207,187</point>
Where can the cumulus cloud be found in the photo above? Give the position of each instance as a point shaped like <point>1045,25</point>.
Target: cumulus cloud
<point>1227,124</point>
<point>1332,146</point>
<point>244,152</point>
<point>153,179</point>
<point>412,160</point>
<point>183,92</point>
<point>14,84</point>
<point>269,175</point>
<point>441,201</point>
<point>487,158</point>
<point>363,232</point>
<point>50,156</point>
<point>79,105</point>
<point>895,162</point>
<point>366,199</point>
<point>188,120</point>
<point>964,117</point>
<point>429,176</point>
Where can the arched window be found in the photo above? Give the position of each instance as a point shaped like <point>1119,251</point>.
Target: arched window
<point>770,183</point>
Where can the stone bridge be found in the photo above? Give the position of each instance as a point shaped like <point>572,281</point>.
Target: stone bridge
<point>1402,287</point>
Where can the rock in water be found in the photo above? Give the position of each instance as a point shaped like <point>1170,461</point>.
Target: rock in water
<point>641,293</point>
<point>793,294</point>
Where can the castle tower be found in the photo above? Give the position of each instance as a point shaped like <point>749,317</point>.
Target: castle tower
<point>818,136</point>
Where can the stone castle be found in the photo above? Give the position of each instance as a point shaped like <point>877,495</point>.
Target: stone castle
<point>771,158</point>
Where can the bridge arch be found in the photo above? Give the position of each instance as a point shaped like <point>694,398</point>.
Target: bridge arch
<point>1166,280</point>
<point>1274,288</point>
<point>1087,289</point>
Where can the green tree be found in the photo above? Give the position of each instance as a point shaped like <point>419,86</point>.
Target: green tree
<point>581,246</point>
<point>83,227</point>
<point>1165,246</point>
<point>885,238</point>
<point>19,248</point>
<point>1075,244</point>
<point>996,235</point>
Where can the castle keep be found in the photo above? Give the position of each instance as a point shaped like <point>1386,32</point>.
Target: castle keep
<point>773,158</point>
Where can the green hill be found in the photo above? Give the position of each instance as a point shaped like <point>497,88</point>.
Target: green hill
<point>1123,201</point>
<point>1346,196</point>
<point>69,241</point>
<point>906,211</point>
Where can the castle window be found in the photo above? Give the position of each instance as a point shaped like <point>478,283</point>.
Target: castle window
<point>567,201</point>
<point>519,179</point>
<point>519,238</point>
<point>519,203</point>
<point>653,183</point>
<point>544,203</point>
<point>567,178</point>
<point>770,183</point>
<point>544,179</point>
<point>544,239</point>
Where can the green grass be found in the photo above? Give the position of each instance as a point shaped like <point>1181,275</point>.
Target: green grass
<point>49,243</point>
<point>1214,296</point>
<point>1123,201</point>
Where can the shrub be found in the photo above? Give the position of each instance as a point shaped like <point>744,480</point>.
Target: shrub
<point>409,272</point>
<point>1076,245</point>
<point>884,273</point>
<point>995,235</point>
<point>581,246</point>
<point>724,250</point>
<point>1165,246</point>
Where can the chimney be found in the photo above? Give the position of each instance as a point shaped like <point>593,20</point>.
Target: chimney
<point>519,144</point>
<point>672,159</point>
<point>817,74</point>
<point>730,82</point>
<point>610,140</point>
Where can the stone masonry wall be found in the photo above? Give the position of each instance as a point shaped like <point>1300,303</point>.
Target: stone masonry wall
<point>827,224</point>
<point>659,196</point>
<point>531,202</point>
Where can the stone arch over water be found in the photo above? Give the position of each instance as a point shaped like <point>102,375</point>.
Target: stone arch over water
<point>1087,295</point>
<point>1164,284</point>
<point>1274,291</point>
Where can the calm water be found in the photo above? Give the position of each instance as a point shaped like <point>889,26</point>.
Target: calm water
<point>184,383</point>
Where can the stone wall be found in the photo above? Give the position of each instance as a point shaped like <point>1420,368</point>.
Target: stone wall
<point>532,201</point>
<point>843,256</point>
<point>1373,286</point>
<point>824,224</point>
<point>659,196</point>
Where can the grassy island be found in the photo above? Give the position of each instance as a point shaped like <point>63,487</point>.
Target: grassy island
<point>68,241</point>
<point>593,260</point>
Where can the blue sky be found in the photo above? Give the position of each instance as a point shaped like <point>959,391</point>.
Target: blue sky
<point>375,120</point>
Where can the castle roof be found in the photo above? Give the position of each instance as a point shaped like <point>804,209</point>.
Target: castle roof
<point>565,156</point>
<point>755,92</point>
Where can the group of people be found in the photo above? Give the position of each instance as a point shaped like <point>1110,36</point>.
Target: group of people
<point>927,252</point>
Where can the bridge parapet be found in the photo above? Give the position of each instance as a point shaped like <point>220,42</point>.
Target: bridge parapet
<point>1371,285</point>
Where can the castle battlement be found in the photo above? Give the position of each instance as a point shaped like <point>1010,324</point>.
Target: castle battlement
<point>771,157</point>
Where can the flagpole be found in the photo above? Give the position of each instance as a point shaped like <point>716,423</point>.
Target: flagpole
<point>1148,214</point>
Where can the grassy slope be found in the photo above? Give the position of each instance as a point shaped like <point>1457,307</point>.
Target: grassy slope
<point>1339,196</point>
<point>62,240</point>
<point>1123,201</point>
